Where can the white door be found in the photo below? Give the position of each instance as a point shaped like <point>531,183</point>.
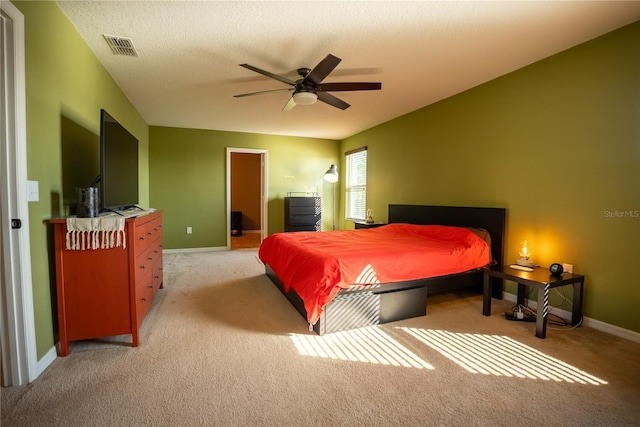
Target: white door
<point>17,328</point>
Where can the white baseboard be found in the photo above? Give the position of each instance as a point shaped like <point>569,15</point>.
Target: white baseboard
<point>592,323</point>
<point>46,361</point>
<point>612,329</point>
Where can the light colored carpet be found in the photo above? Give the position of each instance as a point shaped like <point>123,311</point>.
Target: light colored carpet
<point>222,347</point>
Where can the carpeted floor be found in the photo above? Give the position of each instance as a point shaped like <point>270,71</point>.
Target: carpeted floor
<point>222,347</point>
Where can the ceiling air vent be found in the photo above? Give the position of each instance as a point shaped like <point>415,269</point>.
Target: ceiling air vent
<point>121,45</point>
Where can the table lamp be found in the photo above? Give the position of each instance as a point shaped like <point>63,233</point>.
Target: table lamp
<point>524,256</point>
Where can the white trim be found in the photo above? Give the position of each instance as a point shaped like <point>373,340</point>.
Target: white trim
<point>47,360</point>
<point>264,157</point>
<point>592,323</point>
<point>612,329</point>
<point>19,348</point>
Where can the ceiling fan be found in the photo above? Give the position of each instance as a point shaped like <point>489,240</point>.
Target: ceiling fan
<point>309,87</point>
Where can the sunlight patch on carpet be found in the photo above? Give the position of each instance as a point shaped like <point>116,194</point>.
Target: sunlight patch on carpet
<point>500,356</point>
<point>370,345</point>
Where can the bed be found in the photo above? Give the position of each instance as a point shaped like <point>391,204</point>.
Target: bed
<point>375,302</point>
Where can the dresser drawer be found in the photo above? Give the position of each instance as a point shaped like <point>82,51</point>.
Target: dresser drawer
<point>303,202</point>
<point>147,233</point>
<point>156,274</point>
<point>304,210</point>
<point>147,260</point>
<point>143,264</point>
<point>144,298</point>
<point>304,228</point>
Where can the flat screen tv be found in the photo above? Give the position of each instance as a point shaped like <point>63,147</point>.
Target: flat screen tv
<point>118,165</point>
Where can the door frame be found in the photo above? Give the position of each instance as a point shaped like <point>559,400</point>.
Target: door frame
<point>17,323</point>
<point>264,190</point>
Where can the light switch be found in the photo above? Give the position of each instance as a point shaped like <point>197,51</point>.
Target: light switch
<point>33,195</point>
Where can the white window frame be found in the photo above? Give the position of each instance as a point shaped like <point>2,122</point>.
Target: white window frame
<point>356,184</point>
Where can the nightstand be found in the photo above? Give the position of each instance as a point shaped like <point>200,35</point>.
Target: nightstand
<point>539,278</point>
<point>362,224</point>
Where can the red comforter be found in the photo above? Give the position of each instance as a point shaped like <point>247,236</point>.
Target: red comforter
<point>318,265</point>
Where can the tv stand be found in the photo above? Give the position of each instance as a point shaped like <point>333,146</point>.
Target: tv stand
<point>106,292</point>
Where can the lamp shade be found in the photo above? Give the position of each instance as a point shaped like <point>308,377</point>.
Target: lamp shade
<point>525,254</point>
<point>332,174</point>
<point>305,98</point>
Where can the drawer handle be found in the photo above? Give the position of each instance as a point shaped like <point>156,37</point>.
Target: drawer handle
<point>143,267</point>
<point>141,237</point>
<point>144,299</point>
<point>156,277</point>
<point>150,287</point>
<point>150,233</point>
<point>150,259</point>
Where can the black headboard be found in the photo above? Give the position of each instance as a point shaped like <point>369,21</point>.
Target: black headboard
<point>491,219</point>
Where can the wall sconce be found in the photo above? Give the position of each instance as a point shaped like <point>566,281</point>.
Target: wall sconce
<point>524,256</point>
<point>331,175</point>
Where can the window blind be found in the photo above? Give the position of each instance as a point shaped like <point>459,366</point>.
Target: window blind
<point>356,184</point>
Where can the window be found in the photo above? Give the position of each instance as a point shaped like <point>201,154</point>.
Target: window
<point>356,184</point>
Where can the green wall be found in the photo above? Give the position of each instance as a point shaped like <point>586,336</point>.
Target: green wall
<point>188,179</point>
<point>556,143</point>
<point>66,86</point>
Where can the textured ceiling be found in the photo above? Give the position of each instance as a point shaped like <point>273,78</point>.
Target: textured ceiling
<point>187,70</point>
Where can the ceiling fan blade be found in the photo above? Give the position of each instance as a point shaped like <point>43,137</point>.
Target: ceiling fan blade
<point>289,105</point>
<point>341,87</point>
<point>322,70</point>
<point>268,74</point>
<point>262,91</point>
<point>332,100</point>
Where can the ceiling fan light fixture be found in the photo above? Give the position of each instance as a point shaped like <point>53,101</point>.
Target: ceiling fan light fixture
<point>305,98</point>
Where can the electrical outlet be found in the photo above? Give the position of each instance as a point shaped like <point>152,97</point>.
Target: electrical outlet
<point>189,230</point>
<point>568,268</point>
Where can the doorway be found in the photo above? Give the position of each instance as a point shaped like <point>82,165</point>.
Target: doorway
<point>246,198</point>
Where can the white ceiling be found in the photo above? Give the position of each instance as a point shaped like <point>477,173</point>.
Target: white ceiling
<point>422,51</point>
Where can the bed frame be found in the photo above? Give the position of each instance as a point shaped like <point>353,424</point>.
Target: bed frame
<point>377,304</point>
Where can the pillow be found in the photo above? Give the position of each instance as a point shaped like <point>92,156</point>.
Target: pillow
<point>484,235</point>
